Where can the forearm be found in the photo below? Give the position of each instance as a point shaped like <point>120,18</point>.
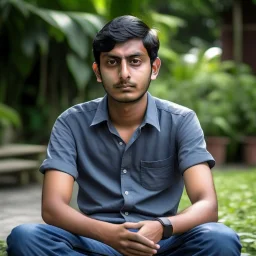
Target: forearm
<point>200,212</point>
<point>117,236</point>
<point>65,217</point>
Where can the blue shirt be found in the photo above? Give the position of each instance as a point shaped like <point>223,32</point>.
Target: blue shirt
<point>120,182</point>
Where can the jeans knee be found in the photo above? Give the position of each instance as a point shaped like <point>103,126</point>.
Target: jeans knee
<point>20,238</point>
<point>221,238</point>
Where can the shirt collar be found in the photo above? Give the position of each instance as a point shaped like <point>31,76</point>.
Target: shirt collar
<point>101,114</point>
<point>151,116</point>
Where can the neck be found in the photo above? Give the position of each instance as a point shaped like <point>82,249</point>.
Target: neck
<point>127,114</point>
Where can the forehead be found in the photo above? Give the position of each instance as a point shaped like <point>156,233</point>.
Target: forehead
<point>130,47</point>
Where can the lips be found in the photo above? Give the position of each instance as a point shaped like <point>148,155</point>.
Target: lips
<point>123,86</point>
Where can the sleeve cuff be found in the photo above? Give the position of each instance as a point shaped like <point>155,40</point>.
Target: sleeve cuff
<point>197,159</point>
<point>50,164</point>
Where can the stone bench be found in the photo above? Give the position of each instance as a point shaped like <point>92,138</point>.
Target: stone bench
<point>21,160</point>
<point>19,167</point>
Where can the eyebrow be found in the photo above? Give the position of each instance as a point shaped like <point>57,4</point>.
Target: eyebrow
<point>111,55</point>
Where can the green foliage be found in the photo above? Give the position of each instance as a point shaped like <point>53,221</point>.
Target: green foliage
<point>220,92</point>
<point>196,80</point>
<point>48,56</point>
<point>48,62</point>
<point>3,248</point>
<point>9,116</point>
<point>236,197</point>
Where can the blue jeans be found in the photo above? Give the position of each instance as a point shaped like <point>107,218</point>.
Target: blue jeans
<point>210,239</point>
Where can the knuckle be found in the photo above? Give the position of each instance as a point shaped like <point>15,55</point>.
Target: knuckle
<point>123,244</point>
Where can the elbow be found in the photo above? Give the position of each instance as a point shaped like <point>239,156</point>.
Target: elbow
<point>50,213</point>
<point>47,216</point>
<point>53,211</point>
<point>214,212</point>
<point>215,217</point>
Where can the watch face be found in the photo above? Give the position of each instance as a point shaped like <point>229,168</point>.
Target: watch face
<point>168,230</point>
<point>167,225</point>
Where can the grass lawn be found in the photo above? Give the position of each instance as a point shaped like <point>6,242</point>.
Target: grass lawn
<point>236,192</point>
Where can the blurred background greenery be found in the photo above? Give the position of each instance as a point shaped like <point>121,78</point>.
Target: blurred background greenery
<point>207,52</point>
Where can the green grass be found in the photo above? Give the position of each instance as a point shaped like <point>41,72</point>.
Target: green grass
<point>236,192</point>
<point>2,249</point>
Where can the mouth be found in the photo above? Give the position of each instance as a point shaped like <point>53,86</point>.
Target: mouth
<point>124,86</point>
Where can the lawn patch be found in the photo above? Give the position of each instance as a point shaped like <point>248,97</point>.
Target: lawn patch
<point>236,192</point>
<point>2,248</point>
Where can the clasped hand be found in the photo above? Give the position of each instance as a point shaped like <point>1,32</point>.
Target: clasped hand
<point>144,242</point>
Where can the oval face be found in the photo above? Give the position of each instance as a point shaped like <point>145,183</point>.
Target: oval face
<point>125,71</point>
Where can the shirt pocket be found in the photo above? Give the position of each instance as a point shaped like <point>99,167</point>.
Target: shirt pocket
<point>156,175</point>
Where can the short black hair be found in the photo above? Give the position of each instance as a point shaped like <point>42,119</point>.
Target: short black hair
<point>120,30</point>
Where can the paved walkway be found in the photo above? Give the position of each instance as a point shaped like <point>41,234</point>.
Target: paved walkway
<point>19,205</point>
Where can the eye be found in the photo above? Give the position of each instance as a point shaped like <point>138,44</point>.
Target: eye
<point>135,62</point>
<point>111,62</point>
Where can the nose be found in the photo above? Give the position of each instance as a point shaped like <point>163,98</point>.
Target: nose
<point>124,72</point>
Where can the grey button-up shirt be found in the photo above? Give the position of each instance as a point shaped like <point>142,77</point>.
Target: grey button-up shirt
<point>121,182</point>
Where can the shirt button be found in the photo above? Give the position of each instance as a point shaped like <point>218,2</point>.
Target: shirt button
<point>126,213</point>
<point>124,171</point>
<point>120,143</point>
<point>126,192</point>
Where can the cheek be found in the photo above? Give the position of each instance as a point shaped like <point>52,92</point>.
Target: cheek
<point>107,78</point>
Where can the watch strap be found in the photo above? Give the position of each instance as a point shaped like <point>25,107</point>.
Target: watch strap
<point>167,227</point>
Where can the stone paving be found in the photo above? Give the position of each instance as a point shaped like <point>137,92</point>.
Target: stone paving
<point>19,204</point>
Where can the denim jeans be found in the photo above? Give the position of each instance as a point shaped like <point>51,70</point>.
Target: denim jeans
<point>210,239</point>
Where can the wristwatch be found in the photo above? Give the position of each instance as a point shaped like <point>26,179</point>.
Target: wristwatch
<point>167,225</point>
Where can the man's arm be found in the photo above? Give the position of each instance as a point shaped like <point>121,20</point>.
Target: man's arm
<point>201,192</point>
<point>56,196</point>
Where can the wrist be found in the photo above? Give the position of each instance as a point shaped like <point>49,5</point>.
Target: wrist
<point>166,226</point>
<point>105,231</point>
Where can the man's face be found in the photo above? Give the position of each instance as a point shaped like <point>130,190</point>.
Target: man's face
<point>126,71</point>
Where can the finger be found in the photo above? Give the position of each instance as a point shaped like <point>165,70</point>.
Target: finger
<point>133,225</point>
<point>134,248</point>
<point>142,240</point>
<point>132,252</point>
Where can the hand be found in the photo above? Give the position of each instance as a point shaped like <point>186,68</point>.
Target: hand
<point>153,230</point>
<point>130,243</point>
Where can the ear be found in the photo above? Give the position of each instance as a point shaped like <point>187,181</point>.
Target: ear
<point>96,70</point>
<point>155,68</point>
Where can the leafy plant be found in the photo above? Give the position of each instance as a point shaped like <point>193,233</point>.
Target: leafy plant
<point>197,80</point>
<point>48,62</point>
<point>236,196</point>
<point>47,57</point>
<point>3,248</point>
<point>8,118</point>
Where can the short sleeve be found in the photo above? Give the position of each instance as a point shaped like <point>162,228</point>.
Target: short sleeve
<point>191,143</point>
<point>61,151</point>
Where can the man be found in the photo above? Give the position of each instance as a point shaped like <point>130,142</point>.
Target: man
<point>131,155</point>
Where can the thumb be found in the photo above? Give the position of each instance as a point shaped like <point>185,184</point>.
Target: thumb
<point>133,225</point>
